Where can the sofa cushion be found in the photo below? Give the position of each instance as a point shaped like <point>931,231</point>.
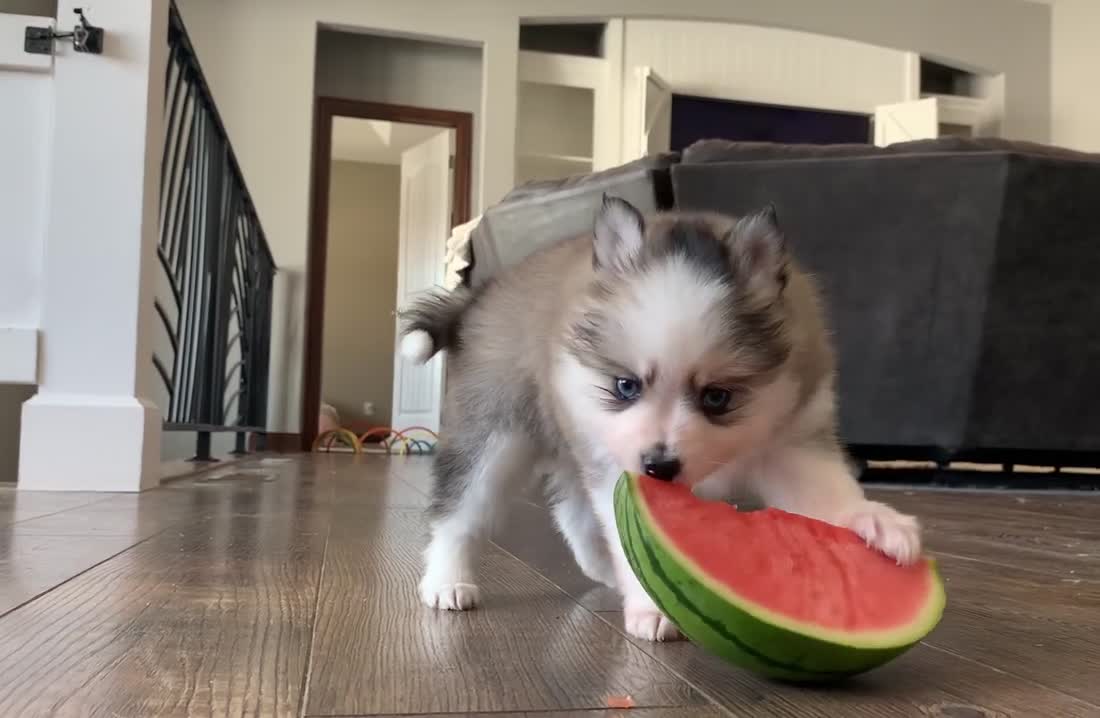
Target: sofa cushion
<point>901,247</point>
<point>1037,377</point>
<point>707,151</point>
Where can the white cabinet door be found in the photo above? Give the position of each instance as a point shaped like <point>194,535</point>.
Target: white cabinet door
<point>425,223</point>
<point>905,121</point>
<point>655,113</point>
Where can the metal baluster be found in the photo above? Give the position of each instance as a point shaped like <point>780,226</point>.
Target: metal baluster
<point>217,267</point>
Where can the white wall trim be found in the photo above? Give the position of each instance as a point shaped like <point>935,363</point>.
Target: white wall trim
<point>608,107</point>
<point>18,355</point>
<point>89,443</point>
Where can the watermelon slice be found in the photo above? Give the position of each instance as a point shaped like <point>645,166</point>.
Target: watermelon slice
<point>787,596</point>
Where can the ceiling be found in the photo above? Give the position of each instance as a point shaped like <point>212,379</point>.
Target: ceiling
<point>375,141</point>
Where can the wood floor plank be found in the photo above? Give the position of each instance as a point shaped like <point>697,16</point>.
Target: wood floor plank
<point>32,564</point>
<point>993,523</point>
<point>529,534</point>
<point>242,491</point>
<point>996,528</point>
<point>208,618</point>
<point>366,480</point>
<point>213,614</point>
<point>17,506</point>
<point>1010,556</point>
<point>1047,593</point>
<point>689,712</point>
<point>113,517</point>
<point>352,496</point>
<point>415,471</point>
<point>1026,623</point>
<point>1001,515</point>
<point>1063,505</point>
<point>925,681</point>
<point>377,650</point>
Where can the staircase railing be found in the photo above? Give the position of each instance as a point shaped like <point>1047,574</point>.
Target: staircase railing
<point>214,295</point>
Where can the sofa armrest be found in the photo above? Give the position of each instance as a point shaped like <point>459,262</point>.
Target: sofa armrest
<point>537,213</point>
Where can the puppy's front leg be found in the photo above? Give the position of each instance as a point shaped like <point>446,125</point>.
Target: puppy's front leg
<point>819,483</point>
<point>641,617</point>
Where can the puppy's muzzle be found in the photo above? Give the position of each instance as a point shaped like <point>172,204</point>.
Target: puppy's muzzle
<point>659,463</point>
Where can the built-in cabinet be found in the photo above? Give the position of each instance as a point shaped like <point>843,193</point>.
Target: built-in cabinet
<point>568,99</point>
<point>592,96</point>
<point>945,101</point>
<point>555,120</point>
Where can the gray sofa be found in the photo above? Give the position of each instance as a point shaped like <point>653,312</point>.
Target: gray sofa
<point>961,278</point>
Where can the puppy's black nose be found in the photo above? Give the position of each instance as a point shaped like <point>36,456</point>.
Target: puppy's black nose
<point>663,468</point>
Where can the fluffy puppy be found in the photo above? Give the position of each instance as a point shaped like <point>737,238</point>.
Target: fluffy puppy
<point>689,347</point>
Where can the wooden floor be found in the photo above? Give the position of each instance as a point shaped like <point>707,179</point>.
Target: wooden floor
<point>287,589</point>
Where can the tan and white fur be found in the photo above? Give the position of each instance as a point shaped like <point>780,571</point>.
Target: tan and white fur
<point>687,346</point>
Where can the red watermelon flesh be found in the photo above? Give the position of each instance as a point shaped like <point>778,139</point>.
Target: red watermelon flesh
<point>784,594</point>
<point>798,567</point>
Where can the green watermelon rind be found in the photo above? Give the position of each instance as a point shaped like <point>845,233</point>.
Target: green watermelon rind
<point>743,631</point>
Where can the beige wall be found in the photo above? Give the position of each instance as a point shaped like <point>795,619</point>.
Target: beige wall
<point>361,289</point>
<point>259,59</point>
<point>401,71</point>
<point>1075,54</point>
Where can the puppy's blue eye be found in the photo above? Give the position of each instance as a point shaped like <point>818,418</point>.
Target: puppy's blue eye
<point>715,400</point>
<point>628,389</point>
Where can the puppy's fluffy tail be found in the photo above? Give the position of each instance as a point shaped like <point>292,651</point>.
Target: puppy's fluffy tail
<point>431,324</point>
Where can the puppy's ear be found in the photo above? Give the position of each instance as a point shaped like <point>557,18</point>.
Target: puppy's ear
<point>759,252</point>
<point>617,234</point>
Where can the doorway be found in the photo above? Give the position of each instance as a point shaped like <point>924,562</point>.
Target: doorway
<point>389,182</point>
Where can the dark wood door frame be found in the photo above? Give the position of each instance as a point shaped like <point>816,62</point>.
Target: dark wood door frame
<point>325,109</point>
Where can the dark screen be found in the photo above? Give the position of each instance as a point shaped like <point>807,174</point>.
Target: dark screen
<point>699,118</point>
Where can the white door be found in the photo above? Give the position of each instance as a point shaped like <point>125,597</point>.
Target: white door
<point>905,121</point>
<point>425,223</point>
<point>655,113</point>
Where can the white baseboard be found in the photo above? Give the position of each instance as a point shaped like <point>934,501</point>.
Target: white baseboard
<point>89,443</point>
<point>18,355</point>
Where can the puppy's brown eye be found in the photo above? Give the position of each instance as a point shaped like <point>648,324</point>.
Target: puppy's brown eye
<point>715,400</point>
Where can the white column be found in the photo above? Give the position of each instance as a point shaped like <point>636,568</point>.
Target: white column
<point>91,426</point>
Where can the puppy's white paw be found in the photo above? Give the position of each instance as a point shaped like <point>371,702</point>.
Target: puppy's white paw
<point>449,596</point>
<point>896,535</point>
<point>650,625</point>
